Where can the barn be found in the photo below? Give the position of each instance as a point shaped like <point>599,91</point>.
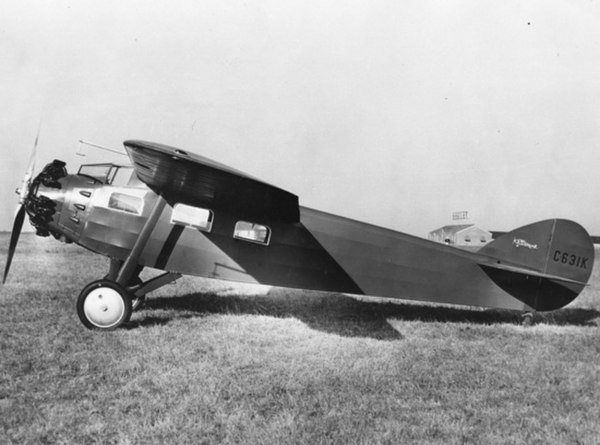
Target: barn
<point>461,235</point>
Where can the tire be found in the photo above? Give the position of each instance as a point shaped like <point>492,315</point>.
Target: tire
<point>104,305</point>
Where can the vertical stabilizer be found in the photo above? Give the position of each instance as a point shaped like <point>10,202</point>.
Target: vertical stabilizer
<point>545,264</point>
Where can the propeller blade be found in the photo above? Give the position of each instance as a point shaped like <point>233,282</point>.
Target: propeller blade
<point>14,238</point>
<point>31,165</point>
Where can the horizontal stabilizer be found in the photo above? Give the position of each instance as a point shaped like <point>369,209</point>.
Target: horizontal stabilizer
<point>545,264</point>
<point>530,272</point>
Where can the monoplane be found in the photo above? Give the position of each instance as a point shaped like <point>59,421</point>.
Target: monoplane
<point>182,213</point>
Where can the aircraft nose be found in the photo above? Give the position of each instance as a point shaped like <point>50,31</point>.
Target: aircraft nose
<point>45,198</point>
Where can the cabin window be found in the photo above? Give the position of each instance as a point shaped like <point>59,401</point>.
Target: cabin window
<point>255,233</point>
<point>121,176</point>
<point>126,203</point>
<point>99,172</point>
<point>467,239</point>
<point>194,217</point>
<point>483,240</point>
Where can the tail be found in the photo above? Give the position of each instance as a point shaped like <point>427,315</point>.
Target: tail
<point>545,265</point>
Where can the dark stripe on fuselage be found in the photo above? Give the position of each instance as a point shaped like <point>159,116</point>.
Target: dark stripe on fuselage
<point>540,294</point>
<point>293,258</point>
<point>167,250</point>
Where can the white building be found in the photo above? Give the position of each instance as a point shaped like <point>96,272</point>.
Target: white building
<point>461,235</point>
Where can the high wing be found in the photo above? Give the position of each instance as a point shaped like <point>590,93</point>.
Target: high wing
<point>182,177</point>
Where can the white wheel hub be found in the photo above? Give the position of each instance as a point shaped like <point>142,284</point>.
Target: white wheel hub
<point>104,307</point>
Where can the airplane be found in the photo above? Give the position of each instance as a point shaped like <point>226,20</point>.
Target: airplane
<point>185,214</point>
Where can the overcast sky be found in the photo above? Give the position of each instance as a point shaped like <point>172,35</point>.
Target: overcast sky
<point>395,113</point>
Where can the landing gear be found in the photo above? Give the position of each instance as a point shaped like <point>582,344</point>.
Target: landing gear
<point>137,302</point>
<point>108,303</point>
<point>104,304</point>
<point>134,283</point>
<point>527,318</point>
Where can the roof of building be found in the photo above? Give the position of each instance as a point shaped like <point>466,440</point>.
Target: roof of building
<point>451,229</point>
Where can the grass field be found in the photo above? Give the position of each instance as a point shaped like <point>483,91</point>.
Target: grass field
<point>208,362</point>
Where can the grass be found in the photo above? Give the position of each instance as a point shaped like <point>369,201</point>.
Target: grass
<point>211,362</point>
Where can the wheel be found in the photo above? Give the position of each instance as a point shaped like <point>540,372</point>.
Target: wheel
<point>136,302</point>
<point>103,304</point>
<point>527,318</point>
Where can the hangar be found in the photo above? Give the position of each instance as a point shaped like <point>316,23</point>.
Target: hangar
<point>459,235</point>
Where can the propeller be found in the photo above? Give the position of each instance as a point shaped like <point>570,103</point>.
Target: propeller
<point>14,238</point>
<point>23,193</point>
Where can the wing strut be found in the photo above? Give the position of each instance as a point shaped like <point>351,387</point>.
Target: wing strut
<point>131,262</point>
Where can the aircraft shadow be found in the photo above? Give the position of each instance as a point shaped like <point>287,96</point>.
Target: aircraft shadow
<point>343,315</point>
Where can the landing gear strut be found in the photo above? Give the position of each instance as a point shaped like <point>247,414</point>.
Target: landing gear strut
<point>108,303</point>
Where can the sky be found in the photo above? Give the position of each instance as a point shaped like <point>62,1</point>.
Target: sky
<point>393,113</point>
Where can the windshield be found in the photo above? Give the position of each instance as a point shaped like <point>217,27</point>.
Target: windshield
<point>108,173</point>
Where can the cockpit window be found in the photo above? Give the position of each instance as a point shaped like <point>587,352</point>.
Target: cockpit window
<point>96,171</point>
<point>126,203</point>
<point>108,173</point>
<point>121,176</point>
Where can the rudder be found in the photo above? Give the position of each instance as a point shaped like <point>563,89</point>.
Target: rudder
<point>544,264</point>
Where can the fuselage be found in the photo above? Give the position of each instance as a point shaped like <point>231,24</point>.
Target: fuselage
<point>322,251</point>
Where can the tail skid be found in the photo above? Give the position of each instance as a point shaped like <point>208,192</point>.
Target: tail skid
<point>545,264</point>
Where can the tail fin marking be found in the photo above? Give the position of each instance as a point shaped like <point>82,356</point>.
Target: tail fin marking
<point>545,264</point>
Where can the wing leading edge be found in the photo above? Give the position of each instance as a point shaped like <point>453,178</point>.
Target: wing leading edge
<point>183,177</point>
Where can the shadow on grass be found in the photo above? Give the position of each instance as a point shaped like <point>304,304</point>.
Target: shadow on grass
<point>346,316</point>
